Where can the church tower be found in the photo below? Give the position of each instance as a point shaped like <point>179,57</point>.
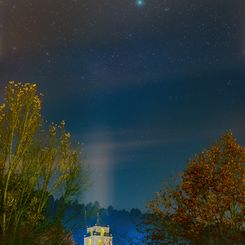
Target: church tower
<point>98,235</point>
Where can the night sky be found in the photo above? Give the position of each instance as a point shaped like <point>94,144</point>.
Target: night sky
<point>144,84</point>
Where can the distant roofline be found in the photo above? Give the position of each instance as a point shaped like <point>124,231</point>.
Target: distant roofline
<point>101,226</point>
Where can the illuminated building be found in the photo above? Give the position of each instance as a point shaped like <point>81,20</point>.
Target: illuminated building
<point>98,235</point>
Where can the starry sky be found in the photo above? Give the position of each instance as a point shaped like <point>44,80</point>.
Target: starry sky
<point>144,84</point>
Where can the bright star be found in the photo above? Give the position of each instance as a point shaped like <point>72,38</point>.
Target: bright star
<point>140,2</point>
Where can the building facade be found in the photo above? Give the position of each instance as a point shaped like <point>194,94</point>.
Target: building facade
<point>98,235</point>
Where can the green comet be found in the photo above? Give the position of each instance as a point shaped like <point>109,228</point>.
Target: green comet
<point>140,3</point>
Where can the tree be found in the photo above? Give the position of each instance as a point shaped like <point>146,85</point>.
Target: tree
<point>207,206</point>
<point>35,162</point>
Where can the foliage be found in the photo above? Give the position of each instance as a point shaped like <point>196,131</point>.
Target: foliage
<point>207,206</point>
<point>54,235</point>
<point>77,216</point>
<point>35,162</point>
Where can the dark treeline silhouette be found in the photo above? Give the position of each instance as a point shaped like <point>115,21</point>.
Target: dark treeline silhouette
<point>76,217</point>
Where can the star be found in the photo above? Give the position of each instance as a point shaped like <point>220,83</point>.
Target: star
<point>140,3</point>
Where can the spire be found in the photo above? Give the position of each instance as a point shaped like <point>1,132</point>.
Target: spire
<point>98,219</point>
<point>85,217</point>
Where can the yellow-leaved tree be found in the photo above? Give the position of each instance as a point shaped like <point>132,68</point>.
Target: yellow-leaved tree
<point>208,204</point>
<point>35,162</point>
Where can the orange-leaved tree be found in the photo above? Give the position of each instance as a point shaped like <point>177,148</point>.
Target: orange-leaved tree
<point>207,205</point>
